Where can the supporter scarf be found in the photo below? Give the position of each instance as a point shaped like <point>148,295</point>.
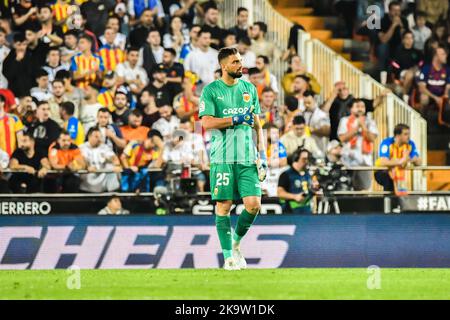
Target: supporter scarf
<point>398,174</point>
<point>367,145</point>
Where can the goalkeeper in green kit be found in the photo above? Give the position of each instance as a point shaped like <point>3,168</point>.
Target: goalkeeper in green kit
<point>229,107</point>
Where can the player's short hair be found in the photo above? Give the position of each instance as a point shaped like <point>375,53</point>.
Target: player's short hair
<point>398,129</point>
<point>68,107</point>
<point>226,52</point>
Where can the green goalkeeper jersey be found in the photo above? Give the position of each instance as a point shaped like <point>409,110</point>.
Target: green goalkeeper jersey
<point>235,144</point>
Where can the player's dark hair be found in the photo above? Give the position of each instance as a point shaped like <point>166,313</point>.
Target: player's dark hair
<point>68,107</point>
<point>398,129</point>
<point>262,26</point>
<point>226,52</point>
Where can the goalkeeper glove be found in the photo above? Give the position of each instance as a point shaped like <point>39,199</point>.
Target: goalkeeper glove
<point>261,165</point>
<point>246,119</point>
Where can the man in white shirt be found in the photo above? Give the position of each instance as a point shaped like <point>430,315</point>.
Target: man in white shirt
<point>99,156</point>
<point>248,56</point>
<point>120,40</point>
<point>317,120</point>
<point>154,42</point>
<point>168,123</point>
<point>89,108</point>
<point>203,61</point>
<point>4,51</point>
<point>130,73</point>
<point>177,149</point>
<point>41,92</point>
<point>268,78</point>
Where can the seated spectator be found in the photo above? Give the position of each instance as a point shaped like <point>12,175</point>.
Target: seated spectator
<point>137,159</point>
<point>192,44</point>
<point>160,86</point>
<point>66,156</point>
<point>420,31</point>
<point>136,8</point>
<point>260,45</point>
<point>11,128</point>
<point>53,64</point>
<point>89,108</point>
<point>33,164</point>
<point>294,184</point>
<point>211,20</point>
<point>167,123</point>
<point>241,27</point>
<point>299,86</point>
<point>99,156</point>
<point>121,111</point>
<point>317,120</point>
<point>139,34</point>
<point>36,46</point>
<point>130,73</point>
<point>435,10</point>
<point>58,96</point>
<point>71,124</point>
<point>229,39</point>
<point>74,94</point>
<point>44,130</point>
<point>176,37</point>
<point>296,137</point>
<point>177,149</point>
<point>111,134</point>
<point>296,68</point>
<point>434,81</point>
<point>4,164</point>
<point>41,92</point>
<point>111,54</point>
<point>134,131</point>
<point>203,61</point>
<point>358,133</point>
<point>270,113</point>
<point>247,55</point>
<point>396,153</point>
<point>174,71</point>
<point>334,152</point>
<point>185,104</point>
<point>404,65</point>
<point>151,53</point>
<point>70,48</point>
<point>268,79</point>
<point>147,104</point>
<point>114,206</point>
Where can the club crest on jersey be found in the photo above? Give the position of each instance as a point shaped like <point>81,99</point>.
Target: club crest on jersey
<point>246,96</point>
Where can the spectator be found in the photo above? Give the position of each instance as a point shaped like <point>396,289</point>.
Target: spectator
<point>10,100</point>
<point>41,92</point>
<point>147,104</point>
<point>396,153</point>
<point>295,184</point>
<point>99,156</point>
<point>137,7</point>
<point>36,46</point>
<point>392,27</point>
<point>11,128</point>
<point>435,10</point>
<point>137,159</point>
<point>299,86</point>
<point>405,64</point>
<point>56,99</point>
<point>317,120</point>
<point>358,133</point>
<point>72,93</point>
<point>229,39</point>
<point>160,87</point>
<point>434,81</point>
<point>177,36</point>
<point>71,123</point>
<point>203,61</point>
<point>140,34</point>
<point>108,89</point>
<point>114,206</point>
<point>134,131</point>
<point>120,39</point>
<point>211,21</point>
<point>296,138</point>
<point>90,107</point>
<point>96,13</point>
<point>121,110</point>
<point>44,130</point>
<point>167,123</point>
<point>260,46</point>
<point>53,64</point>
<point>420,31</point>
<point>111,54</point>
<point>185,104</point>
<point>270,113</point>
<point>51,33</point>
<point>66,156</point>
<point>130,73</point>
<point>87,68</point>
<point>177,149</point>
<point>192,44</point>
<point>111,134</point>
<point>4,163</point>
<point>70,48</point>
<point>187,10</point>
<point>33,164</point>
<point>4,51</point>
<point>241,27</point>
<point>296,68</point>
<point>18,67</point>
<point>24,14</point>
<point>268,79</point>
<point>247,55</point>
<point>174,70</point>
<point>151,53</point>
<point>334,152</point>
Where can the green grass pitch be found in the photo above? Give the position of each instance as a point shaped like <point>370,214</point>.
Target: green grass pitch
<point>189,284</point>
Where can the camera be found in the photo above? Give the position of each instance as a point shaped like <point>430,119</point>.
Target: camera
<point>333,177</point>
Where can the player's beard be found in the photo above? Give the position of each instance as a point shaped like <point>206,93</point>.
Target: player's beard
<point>235,75</point>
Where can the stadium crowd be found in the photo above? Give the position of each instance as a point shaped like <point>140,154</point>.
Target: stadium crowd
<point>112,88</point>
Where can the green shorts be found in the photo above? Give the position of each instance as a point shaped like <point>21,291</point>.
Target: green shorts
<point>234,181</point>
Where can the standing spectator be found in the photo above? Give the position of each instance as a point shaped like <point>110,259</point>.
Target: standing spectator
<point>160,86</point>
<point>175,71</point>
<point>71,123</point>
<point>241,27</point>
<point>10,129</point>
<point>317,121</point>
<point>185,104</point>
<point>151,53</point>
<point>187,10</point>
<point>393,25</point>
<point>18,67</point>
<point>70,48</point>
<point>211,21</point>
<point>33,164</point>
<point>111,54</point>
<point>358,133</point>
<point>268,79</point>
<point>90,107</point>
<point>87,68</point>
<point>147,104</point>
<point>192,44</point>
<point>176,37</point>
<point>64,155</point>
<point>203,61</point>
<point>120,39</point>
<point>396,153</point>
<point>96,13</point>
<point>56,99</point>
<point>247,55</point>
<point>270,113</point>
<point>24,14</point>
<point>50,32</point>
<point>137,7</point>
<point>229,39</point>
<point>421,32</point>
<point>297,68</point>
<point>41,92</point>
<point>167,123</point>
<point>121,110</point>
<point>4,51</point>
<point>130,73</point>
<point>114,206</point>
<point>99,156</point>
<point>140,34</point>
<point>74,94</point>
<point>36,46</point>
<point>111,134</point>
<point>260,46</point>
<point>44,130</point>
<point>53,64</point>
<point>134,131</point>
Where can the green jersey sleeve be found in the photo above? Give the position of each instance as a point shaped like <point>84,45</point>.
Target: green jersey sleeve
<point>206,106</point>
<point>255,101</point>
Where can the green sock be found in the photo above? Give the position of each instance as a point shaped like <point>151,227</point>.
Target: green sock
<point>244,222</point>
<point>223,226</point>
